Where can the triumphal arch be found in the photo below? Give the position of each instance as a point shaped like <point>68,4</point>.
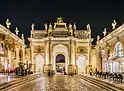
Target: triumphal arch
<point>60,39</point>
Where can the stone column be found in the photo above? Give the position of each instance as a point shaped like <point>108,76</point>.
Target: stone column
<point>75,48</point>
<point>88,47</point>
<point>32,58</point>
<point>50,65</point>
<point>9,58</point>
<point>45,68</point>
<point>44,53</point>
<point>70,44</point>
<point>23,54</point>
<point>98,62</point>
<point>17,57</point>
<point>88,62</point>
<point>47,56</point>
<point>75,56</point>
<point>49,51</point>
<point>70,66</point>
<point>112,54</point>
<point>105,57</point>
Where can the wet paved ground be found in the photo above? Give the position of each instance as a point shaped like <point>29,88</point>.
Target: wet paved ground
<point>58,83</point>
<point>4,78</point>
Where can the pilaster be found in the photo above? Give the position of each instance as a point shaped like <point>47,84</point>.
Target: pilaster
<point>32,58</point>
<point>47,64</point>
<point>70,66</point>
<point>23,53</point>
<point>17,57</point>
<point>49,51</point>
<point>75,59</point>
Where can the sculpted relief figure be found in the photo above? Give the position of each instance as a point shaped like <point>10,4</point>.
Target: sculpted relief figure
<point>8,23</point>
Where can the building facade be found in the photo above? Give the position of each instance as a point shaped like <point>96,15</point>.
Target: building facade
<point>60,39</point>
<point>110,51</point>
<point>12,49</point>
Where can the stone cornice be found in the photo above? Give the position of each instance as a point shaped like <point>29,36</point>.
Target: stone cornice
<point>8,33</point>
<point>115,33</point>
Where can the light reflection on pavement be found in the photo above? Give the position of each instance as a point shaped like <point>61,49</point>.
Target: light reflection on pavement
<point>6,78</point>
<point>58,83</point>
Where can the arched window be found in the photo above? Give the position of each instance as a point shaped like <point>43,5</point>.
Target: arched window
<point>118,50</point>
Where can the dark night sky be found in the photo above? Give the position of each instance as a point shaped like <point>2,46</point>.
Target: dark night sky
<point>98,13</point>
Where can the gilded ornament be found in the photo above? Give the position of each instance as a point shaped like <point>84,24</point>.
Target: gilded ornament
<point>60,20</point>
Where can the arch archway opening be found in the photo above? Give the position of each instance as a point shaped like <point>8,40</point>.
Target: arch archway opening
<point>60,63</point>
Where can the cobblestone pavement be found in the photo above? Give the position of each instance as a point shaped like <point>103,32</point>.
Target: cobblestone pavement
<point>58,83</point>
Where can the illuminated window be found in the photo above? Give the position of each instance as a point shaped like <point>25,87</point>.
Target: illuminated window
<point>118,50</point>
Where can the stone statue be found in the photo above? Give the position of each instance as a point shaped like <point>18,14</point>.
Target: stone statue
<point>50,26</point>
<point>16,31</point>
<point>8,23</point>
<point>88,27</point>
<point>60,20</point>
<point>32,26</point>
<point>70,29</point>
<point>74,26</point>
<point>98,38</point>
<point>114,24</point>
<point>22,36</point>
<point>46,26</point>
<point>104,32</point>
<point>70,26</point>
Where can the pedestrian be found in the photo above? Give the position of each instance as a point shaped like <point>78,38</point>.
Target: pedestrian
<point>91,72</point>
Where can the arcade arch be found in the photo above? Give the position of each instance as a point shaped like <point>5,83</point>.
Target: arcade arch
<point>60,49</point>
<point>60,63</point>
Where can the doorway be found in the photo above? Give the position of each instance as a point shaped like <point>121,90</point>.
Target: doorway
<point>39,63</point>
<point>81,64</point>
<point>60,63</point>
